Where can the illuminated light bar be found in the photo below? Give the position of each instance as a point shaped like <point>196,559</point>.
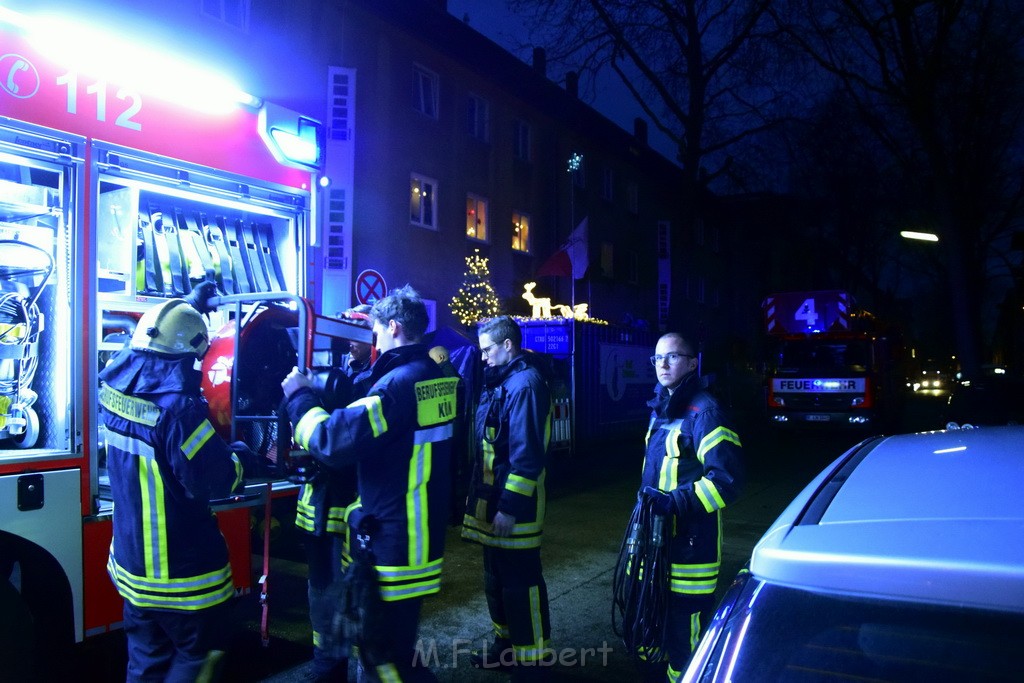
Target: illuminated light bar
<point>89,50</point>
<point>293,139</point>
<point>922,236</point>
<point>295,147</point>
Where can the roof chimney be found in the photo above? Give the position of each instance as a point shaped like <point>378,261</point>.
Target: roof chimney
<point>640,130</point>
<point>572,83</point>
<point>540,61</point>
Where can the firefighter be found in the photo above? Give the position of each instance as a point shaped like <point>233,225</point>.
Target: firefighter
<point>692,469</point>
<point>400,435</point>
<point>168,559</point>
<point>320,513</point>
<point>505,506</point>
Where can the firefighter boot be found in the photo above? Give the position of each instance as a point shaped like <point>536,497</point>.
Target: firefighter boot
<point>494,656</point>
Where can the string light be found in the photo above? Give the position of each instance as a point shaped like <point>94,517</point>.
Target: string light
<point>476,299</point>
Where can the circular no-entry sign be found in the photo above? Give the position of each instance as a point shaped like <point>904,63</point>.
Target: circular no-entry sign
<point>370,286</point>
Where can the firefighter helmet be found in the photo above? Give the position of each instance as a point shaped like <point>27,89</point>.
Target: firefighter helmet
<point>439,354</point>
<point>172,328</point>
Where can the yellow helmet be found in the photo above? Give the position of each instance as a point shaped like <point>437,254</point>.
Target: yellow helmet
<point>172,328</point>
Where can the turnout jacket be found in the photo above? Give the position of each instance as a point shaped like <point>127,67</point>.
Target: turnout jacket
<point>323,502</point>
<point>400,437</point>
<point>695,457</point>
<point>513,428</point>
<point>165,464</point>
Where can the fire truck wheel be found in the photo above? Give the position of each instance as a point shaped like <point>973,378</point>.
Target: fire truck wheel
<point>16,636</point>
<point>28,438</point>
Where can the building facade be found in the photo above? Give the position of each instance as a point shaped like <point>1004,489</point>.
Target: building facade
<point>442,144</point>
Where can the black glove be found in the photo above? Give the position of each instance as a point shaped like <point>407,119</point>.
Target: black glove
<point>661,503</point>
<point>254,466</point>
<point>201,294</point>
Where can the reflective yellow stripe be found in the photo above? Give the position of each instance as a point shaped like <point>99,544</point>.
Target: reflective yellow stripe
<point>303,509</point>
<point>307,423</point>
<point>523,535</point>
<point>521,485</point>
<point>536,650</point>
<point>130,408</point>
<point>715,437</point>
<point>670,463</point>
<point>416,515</point>
<point>487,451</point>
<point>694,633</point>
<point>154,533</point>
<point>708,494</point>
<point>695,579</point>
<point>374,413</point>
<point>239,472</point>
<point>400,583</point>
<point>185,593</point>
<point>387,673</point>
<point>336,520</point>
<point>197,439</point>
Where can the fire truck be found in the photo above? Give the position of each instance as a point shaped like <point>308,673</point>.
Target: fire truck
<point>114,197</point>
<point>829,363</point>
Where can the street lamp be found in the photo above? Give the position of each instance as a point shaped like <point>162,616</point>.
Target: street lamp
<point>919,236</point>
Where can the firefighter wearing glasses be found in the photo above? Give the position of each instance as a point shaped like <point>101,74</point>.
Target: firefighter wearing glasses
<point>168,559</point>
<point>400,435</point>
<point>505,506</point>
<point>692,470</point>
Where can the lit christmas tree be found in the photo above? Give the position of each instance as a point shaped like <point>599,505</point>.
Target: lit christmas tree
<point>476,299</point>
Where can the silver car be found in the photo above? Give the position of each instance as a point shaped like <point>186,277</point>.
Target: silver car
<point>902,561</point>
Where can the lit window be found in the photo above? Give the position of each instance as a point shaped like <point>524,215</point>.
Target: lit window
<point>520,231</point>
<point>476,218</point>
<point>424,91</point>
<point>478,113</point>
<point>423,201</point>
<point>521,139</point>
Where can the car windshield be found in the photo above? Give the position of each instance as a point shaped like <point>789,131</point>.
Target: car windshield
<point>794,635</point>
<point>823,355</point>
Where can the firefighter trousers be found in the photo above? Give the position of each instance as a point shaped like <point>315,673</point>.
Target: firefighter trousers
<point>688,617</point>
<point>323,555</point>
<point>388,651</point>
<point>172,645</point>
<point>517,599</point>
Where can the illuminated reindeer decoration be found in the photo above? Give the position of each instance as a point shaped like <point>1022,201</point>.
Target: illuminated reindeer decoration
<point>542,306</point>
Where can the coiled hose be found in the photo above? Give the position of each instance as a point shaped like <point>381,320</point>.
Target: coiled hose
<point>640,585</point>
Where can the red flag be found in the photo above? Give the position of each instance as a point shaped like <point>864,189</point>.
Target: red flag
<point>573,258</point>
<point>558,264</point>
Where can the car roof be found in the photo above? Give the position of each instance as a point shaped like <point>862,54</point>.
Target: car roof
<point>933,517</point>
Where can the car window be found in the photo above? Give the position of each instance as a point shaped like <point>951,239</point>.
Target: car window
<point>794,635</point>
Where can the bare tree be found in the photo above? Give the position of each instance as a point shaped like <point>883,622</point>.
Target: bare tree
<point>937,82</point>
<point>697,68</point>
